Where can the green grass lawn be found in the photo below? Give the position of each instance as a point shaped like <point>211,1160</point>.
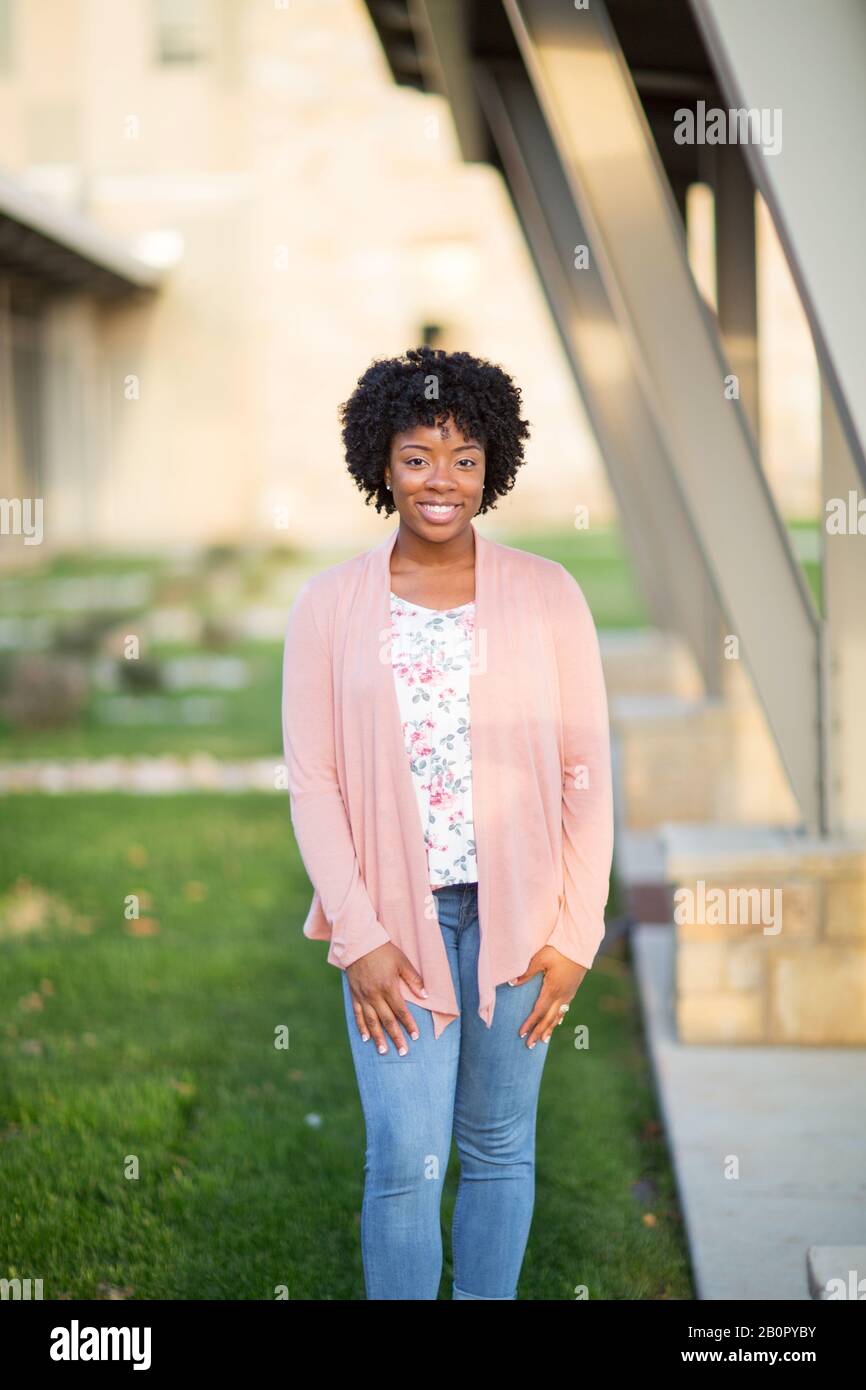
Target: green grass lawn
<point>158,1043</point>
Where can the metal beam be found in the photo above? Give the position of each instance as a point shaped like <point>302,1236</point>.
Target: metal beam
<point>807,61</point>
<point>440,29</point>
<point>736,273</point>
<point>660,540</point>
<point>604,146</point>
<point>671,574</point>
<point>843,573</point>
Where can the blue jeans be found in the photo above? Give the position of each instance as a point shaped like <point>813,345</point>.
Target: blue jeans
<point>481,1082</point>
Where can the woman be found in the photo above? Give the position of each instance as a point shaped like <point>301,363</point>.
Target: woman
<point>447,744</point>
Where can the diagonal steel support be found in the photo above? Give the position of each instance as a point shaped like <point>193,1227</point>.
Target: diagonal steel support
<point>806,62</point>
<point>614,175</point>
<point>671,571</point>
<point>655,522</point>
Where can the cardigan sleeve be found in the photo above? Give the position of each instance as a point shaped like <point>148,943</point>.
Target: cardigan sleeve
<point>587,785</point>
<point>318,812</point>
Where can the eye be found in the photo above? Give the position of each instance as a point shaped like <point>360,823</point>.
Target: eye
<point>473,463</point>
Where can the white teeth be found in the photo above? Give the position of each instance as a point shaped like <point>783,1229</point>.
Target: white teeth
<point>437,506</point>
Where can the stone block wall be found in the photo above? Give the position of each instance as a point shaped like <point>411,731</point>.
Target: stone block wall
<point>744,981</point>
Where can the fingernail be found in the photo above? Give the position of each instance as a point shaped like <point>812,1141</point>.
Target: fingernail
<point>425,994</point>
<point>365,1037</point>
<point>531,1046</point>
<point>414,1036</point>
<point>403,1051</point>
<point>525,1031</point>
<point>512,982</point>
<point>383,1048</point>
<point>547,1039</point>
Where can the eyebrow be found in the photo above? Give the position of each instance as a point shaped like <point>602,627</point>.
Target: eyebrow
<point>426,447</point>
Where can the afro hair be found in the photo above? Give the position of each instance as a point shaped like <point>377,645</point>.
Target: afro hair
<point>394,395</point>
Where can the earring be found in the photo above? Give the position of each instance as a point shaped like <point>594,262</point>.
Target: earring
<point>388,486</point>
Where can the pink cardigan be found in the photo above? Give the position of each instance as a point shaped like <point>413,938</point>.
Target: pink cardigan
<point>541,772</point>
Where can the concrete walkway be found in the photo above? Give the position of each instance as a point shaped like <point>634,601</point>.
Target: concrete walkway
<point>793,1117</point>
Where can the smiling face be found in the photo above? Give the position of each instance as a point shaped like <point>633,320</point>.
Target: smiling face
<point>437,479</point>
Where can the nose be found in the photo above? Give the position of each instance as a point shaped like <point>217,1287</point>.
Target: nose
<point>441,478</point>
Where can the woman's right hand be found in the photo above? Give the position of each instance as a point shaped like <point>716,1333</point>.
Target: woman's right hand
<point>374,983</point>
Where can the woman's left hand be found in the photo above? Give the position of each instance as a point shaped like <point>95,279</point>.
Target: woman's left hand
<point>562,978</point>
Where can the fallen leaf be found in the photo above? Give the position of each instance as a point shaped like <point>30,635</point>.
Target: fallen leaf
<point>651,1130</point>
<point>143,926</point>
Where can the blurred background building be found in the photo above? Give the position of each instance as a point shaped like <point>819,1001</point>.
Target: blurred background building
<point>213,215</point>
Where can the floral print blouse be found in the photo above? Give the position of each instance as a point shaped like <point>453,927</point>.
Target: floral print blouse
<point>431,654</point>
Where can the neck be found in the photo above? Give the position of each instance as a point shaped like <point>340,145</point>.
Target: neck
<point>411,551</point>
